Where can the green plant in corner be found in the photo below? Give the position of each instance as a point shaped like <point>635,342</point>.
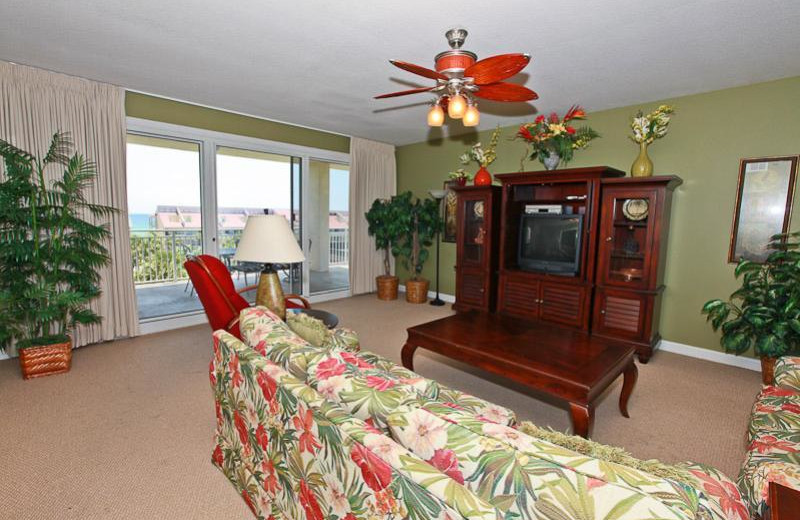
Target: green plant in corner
<point>386,226</point>
<point>50,246</point>
<point>420,221</point>
<point>764,313</point>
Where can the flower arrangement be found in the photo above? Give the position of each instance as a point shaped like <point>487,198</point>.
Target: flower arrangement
<point>459,175</point>
<point>648,128</point>
<point>483,157</point>
<point>551,135</point>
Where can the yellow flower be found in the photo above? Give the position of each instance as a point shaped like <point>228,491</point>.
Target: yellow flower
<point>557,128</point>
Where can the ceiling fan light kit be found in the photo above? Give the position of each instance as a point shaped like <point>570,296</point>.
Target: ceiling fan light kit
<point>460,78</point>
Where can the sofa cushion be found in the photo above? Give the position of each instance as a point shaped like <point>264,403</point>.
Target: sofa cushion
<point>291,453</point>
<point>775,409</point>
<point>368,385</point>
<point>772,456</point>
<point>787,372</point>
<point>529,477</point>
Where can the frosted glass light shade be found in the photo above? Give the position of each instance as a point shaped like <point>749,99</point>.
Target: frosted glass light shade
<point>435,116</point>
<point>471,117</point>
<point>268,239</point>
<point>456,106</point>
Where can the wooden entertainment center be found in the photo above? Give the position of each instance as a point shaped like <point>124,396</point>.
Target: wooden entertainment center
<point>614,288</point>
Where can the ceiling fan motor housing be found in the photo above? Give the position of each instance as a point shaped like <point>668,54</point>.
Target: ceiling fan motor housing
<point>453,62</point>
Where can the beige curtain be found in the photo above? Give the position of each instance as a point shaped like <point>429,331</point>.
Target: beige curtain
<point>34,104</point>
<point>373,175</point>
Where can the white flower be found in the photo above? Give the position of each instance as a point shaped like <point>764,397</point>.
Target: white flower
<point>424,434</point>
<point>251,415</point>
<point>384,447</point>
<point>495,413</point>
<point>335,496</point>
<point>334,386</point>
<point>506,434</point>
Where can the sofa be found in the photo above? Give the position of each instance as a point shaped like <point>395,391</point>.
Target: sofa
<point>333,433</point>
<point>773,453</point>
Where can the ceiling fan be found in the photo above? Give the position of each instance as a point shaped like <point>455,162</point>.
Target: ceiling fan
<point>460,78</point>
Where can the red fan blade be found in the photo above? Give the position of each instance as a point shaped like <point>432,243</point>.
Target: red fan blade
<point>405,92</point>
<point>496,68</point>
<point>506,92</point>
<point>416,69</point>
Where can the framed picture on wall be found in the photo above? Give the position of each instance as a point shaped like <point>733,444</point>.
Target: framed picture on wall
<point>763,205</point>
<point>450,201</point>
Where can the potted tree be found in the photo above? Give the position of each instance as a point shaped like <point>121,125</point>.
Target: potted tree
<point>764,313</point>
<point>420,222</point>
<point>385,225</point>
<point>50,252</point>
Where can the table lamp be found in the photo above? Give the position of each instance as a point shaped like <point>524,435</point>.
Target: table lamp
<point>268,240</point>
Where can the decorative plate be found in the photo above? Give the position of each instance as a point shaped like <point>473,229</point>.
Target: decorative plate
<point>479,209</point>
<point>636,209</point>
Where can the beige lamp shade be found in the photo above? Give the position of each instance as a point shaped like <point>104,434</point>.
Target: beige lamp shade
<point>268,239</point>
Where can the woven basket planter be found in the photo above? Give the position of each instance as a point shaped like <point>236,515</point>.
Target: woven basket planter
<point>417,291</point>
<point>387,287</point>
<point>45,360</point>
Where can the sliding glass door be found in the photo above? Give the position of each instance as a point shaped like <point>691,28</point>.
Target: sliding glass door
<point>164,213</point>
<point>327,219</point>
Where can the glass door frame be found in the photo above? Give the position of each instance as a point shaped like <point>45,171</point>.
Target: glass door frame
<point>209,140</point>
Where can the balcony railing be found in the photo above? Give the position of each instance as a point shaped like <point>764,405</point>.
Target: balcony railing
<point>158,255</point>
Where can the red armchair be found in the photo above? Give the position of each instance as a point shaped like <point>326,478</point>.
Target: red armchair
<point>221,301</point>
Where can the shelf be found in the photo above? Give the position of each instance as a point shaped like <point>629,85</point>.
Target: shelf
<point>623,254</point>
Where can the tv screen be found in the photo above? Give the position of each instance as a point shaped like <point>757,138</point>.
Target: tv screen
<point>550,243</point>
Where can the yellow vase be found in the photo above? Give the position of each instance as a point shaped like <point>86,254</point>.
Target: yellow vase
<point>642,166</point>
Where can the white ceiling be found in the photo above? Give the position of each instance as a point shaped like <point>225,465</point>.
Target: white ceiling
<point>319,63</point>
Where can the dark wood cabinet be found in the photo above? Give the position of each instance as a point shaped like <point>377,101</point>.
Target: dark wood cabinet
<point>477,228</point>
<point>616,290</point>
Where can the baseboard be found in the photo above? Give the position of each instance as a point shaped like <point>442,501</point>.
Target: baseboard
<point>710,355</point>
<point>432,294</point>
<point>171,323</point>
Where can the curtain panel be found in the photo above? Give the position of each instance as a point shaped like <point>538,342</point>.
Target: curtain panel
<point>35,104</point>
<point>373,175</point>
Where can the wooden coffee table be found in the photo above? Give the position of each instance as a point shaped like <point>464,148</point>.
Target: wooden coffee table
<point>567,364</point>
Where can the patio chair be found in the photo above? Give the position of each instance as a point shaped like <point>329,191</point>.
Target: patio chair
<point>221,301</point>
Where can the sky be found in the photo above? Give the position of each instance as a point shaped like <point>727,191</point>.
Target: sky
<point>166,176</point>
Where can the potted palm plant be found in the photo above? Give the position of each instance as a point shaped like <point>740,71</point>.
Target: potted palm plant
<point>764,313</point>
<point>420,221</point>
<point>385,226</point>
<point>50,253</point>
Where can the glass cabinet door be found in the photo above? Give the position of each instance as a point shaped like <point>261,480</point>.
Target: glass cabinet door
<point>474,235</point>
<point>627,238</point>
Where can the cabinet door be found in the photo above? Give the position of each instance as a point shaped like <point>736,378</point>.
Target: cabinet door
<point>519,297</point>
<point>627,230</point>
<point>473,231</point>
<point>561,303</point>
<point>620,313</point>
<point>471,286</point>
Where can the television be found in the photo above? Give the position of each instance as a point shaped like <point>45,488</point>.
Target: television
<point>550,243</point>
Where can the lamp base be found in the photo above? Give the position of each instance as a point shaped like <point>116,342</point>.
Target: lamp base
<point>437,302</point>
<point>270,293</point>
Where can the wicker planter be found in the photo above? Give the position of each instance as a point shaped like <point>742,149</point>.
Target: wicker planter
<point>387,287</point>
<point>417,291</point>
<point>45,360</point>
<point>767,370</point>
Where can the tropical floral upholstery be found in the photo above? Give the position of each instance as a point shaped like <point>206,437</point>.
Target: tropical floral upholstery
<point>367,385</point>
<point>526,477</point>
<point>291,454</point>
<point>773,453</point>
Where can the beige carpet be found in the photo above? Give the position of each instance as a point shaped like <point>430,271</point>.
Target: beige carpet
<point>127,433</point>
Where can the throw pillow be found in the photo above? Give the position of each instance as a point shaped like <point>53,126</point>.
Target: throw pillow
<point>309,328</point>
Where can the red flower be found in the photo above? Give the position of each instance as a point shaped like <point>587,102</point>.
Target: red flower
<point>446,462</point>
<point>215,342</point>
<point>350,516</point>
<point>539,119</point>
<point>592,483</point>
<point>570,130</point>
<point>217,456</point>
<point>329,368</point>
<point>525,133</point>
<point>241,427</point>
<point>303,423</point>
<point>270,479</point>
<point>349,357</point>
<point>261,347</point>
<point>554,118</point>
<point>370,424</point>
<point>249,502</point>
<point>376,473</point>
<point>261,437</point>
<point>236,376</point>
<point>774,391</point>
<point>729,498</point>
<point>379,383</point>
<point>218,412</point>
<point>574,112</point>
<point>770,443</point>
<point>268,385</point>
<point>309,503</point>
<point>791,407</point>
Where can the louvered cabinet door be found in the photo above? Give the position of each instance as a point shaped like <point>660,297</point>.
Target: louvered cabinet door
<point>471,289</point>
<point>562,303</point>
<point>621,313</point>
<point>519,297</point>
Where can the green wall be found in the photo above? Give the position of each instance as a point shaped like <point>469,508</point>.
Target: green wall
<point>176,112</point>
<point>708,135</point>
